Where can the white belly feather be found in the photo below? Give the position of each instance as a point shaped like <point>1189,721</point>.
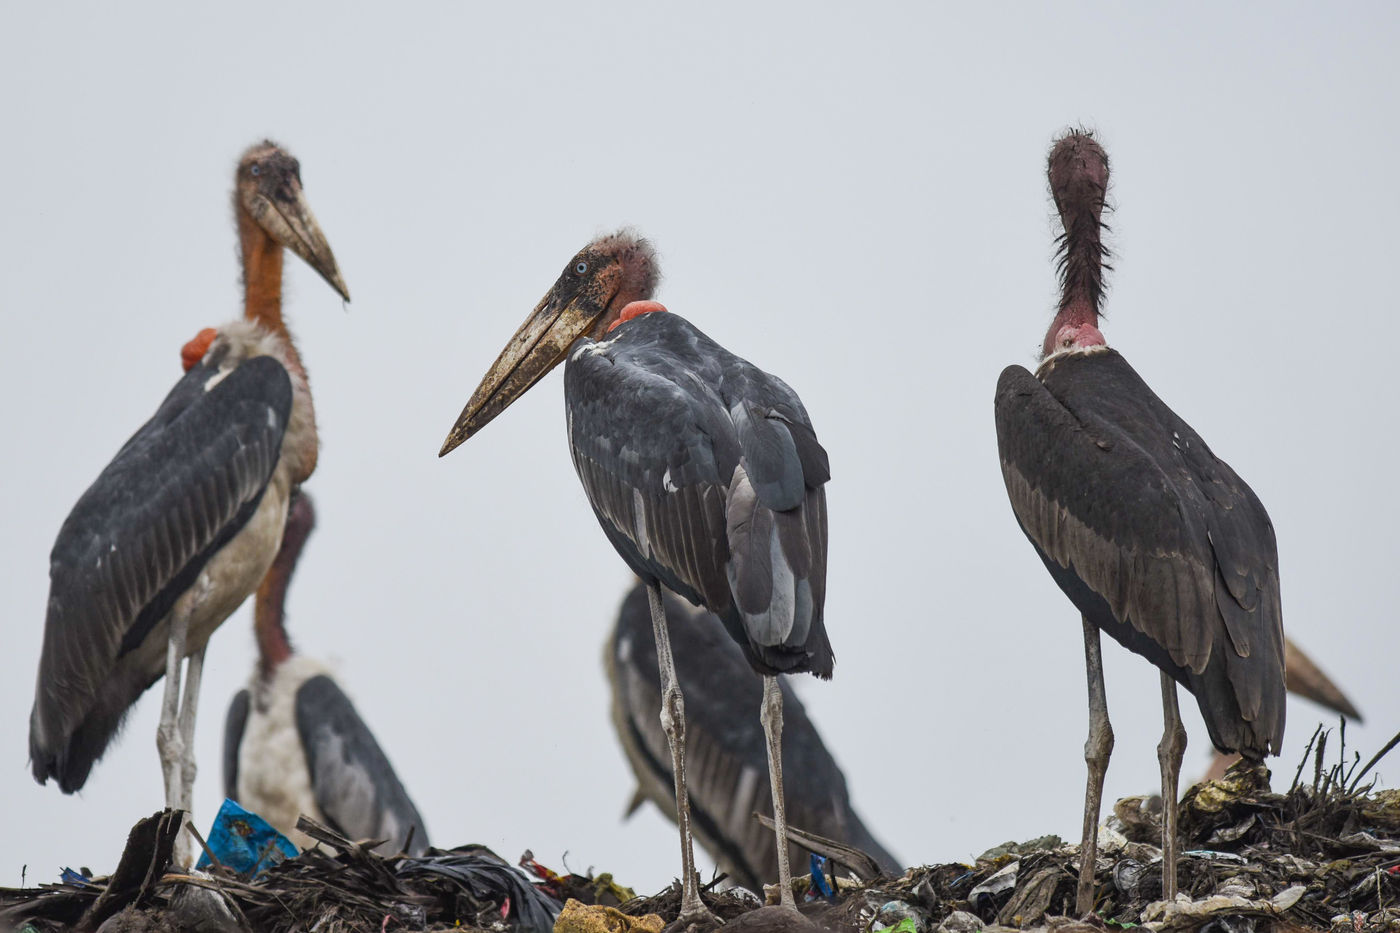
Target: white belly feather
<point>273,780</point>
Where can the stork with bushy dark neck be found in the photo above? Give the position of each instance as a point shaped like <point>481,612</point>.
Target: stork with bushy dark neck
<point>1153,538</point>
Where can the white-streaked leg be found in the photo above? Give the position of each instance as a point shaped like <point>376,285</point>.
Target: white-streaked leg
<point>772,717</point>
<point>1097,749</point>
<point>168,739</point>
<point>1169,754</point>
<point>184,854</point>
<point>189,708</point>
<point>673,722</point>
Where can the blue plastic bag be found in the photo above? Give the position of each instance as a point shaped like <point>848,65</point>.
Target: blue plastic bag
<point>245,842</point>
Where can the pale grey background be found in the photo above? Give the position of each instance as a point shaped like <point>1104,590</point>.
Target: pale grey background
<point>852,196</point>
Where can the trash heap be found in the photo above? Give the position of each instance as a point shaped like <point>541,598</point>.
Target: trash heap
<point>1324,855</point>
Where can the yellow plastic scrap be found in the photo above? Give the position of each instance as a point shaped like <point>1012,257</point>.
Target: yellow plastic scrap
<point>585,918</point>
<point>604,884</point>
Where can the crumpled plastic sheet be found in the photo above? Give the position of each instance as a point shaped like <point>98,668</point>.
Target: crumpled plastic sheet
<point>1184,912</point>
<point>245,842</point>
<point>489,878</point>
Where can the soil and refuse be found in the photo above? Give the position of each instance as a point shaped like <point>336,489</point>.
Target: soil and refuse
<point>1322,855</point>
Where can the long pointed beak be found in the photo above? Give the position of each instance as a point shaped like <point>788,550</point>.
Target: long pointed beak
<point>537,347</point>
<point>292,224</point>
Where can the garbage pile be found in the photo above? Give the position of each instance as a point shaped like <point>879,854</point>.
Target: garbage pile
<point>1324,855</point>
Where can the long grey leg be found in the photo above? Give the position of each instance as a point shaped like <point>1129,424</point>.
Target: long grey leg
<point>189,707</point>
<point>1097,749</point>
<point>673,722</point>
<point>772,716</point>
<point>168,738</point>
<point>1169,754</point>
<point>194,673</point>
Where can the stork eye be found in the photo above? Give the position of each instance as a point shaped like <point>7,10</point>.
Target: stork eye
<point>581,268</point>
<point>255,171</point>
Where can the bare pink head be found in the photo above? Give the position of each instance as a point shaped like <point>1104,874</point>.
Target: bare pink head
<point>1078,173</point>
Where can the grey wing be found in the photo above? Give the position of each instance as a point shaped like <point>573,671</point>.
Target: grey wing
<point>1179,553</point>
<point>717,496</point>
<point>234,724</point>
<point>354,784</point>
<point>1068,489</point>
<point>179,490</point>
<point>655,462</point>
<point>727,764</point>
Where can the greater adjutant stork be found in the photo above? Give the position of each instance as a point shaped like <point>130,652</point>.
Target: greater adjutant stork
<point>185,520</point>
<point>1153,538</point>
<point>726,751</point>
<point>702,469</point>
<point>293,742</point>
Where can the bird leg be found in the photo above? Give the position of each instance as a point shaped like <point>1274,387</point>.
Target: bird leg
<point>673,723</point>
<point>1169,754</point>
<point>168,735</point>
<point>1097,749</point>
<point>183,856</point>
<point>189,706</point>
<point>772,716</point>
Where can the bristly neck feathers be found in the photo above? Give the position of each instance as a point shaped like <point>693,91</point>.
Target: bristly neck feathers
<point>1078,175</point>
<point>262,281</point>
<point>262,304</point>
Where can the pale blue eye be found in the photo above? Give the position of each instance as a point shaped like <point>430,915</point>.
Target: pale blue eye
<point>255,171</point>
<point>581,268</point>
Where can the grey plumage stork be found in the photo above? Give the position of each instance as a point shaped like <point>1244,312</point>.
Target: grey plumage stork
<point>183,523</point>
<point>1156,540</point>
<point>703,470</point>
<point>294,743</point>
<point>726,751</point>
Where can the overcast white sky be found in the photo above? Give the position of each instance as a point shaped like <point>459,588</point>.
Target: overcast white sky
<point>850,195</point>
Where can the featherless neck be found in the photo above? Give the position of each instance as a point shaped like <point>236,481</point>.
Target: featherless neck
<point>268,611</point>
<point>262,275</point>
<point>273,645</point>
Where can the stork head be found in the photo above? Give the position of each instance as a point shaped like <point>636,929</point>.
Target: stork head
<point>267,188</point>
<point>1077,170</point>
<point>599,281</point>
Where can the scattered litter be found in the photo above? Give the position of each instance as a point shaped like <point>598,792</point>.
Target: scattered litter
<point>989,891</point>
<point>1324,855</point>
<point>244,842</point>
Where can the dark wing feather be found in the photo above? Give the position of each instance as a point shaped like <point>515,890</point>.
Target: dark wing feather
<point>234,724</point>
<point>706,475</point>
<point>1155,539</point>
<point>355,786</point>
<point>180,488</point>
<point>726,752</point>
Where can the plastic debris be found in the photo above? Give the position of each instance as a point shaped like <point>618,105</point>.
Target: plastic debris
<point>820,886</point>
<point>901,917</point>
<point>245,842</point>
<point>905,925</point>
<point>999,884</point>
<point>1320,857</point>
<point>69,876</point>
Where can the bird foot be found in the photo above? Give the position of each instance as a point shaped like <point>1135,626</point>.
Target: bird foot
<point>698,919</point>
